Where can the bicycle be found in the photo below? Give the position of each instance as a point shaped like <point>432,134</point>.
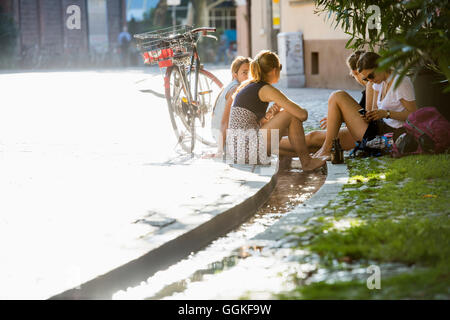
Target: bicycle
<point>190,102</point>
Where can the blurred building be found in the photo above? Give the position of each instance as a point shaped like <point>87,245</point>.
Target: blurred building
<point>65,28</point>
<point>324,53</point>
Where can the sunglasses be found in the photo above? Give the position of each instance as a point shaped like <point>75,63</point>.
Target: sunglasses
<point>371,76</point>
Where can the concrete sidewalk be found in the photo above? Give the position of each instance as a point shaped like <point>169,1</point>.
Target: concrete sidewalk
<point>201,199</point>
<point>184,204</point>
<point>91,181</point>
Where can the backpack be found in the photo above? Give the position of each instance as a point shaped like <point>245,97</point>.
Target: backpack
<point>427,131</point>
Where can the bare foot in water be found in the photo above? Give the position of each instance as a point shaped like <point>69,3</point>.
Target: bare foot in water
<point>312,164</point>
<point>212,155</point>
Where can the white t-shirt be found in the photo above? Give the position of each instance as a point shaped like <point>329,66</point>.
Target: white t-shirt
<point>391,101</point>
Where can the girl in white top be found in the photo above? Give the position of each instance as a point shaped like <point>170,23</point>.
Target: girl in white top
<point>221,113</point>
<point>392,100</point>
<point>387,108</point>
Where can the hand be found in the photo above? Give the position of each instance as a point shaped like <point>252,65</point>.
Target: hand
<point>274,109</point>
<point>364,118</point>
<point>376,114</point>
<point>323,123</point>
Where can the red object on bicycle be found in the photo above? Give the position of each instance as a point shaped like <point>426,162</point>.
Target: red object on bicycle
<point>146,57</point>
<point>165,63</point>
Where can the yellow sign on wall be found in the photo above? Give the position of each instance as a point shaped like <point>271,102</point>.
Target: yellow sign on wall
<point>276,14</point>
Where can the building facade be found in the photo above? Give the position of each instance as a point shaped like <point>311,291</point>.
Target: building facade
<point>324,49</point>
<point>66,29</point>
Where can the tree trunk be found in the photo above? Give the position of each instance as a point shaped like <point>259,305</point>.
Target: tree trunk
<point>160,13</point>
<point>201,15</point>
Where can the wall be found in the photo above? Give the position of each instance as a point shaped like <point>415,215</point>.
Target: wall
<point>76,40</point>
<point>261,26</point>
<point>319,36</point>
<point>243,34</point>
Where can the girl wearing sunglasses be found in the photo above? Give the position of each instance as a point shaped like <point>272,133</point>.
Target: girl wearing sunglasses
<point>315,139</point>
<point>388,110</point>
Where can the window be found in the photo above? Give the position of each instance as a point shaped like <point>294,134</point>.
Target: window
<point>314,63</point>
<point>224,18</point>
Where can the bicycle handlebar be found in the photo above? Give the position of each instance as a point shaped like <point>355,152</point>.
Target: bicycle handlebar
<point>204,30</point>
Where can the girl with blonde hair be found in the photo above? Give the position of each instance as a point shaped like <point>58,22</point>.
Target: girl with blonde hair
<point>221,113</point>
<point>251,126</point>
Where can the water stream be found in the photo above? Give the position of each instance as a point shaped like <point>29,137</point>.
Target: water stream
<point>220,269</point>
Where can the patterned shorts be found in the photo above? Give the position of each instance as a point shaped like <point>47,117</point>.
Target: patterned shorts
<point>245,141</point>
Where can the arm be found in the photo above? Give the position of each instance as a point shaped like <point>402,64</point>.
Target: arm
<point>273,110</point>
<point>226,112</point>
<point>268,94</point>
<point>375,99</point>
<point>410,107</point>
<point>370,93</point>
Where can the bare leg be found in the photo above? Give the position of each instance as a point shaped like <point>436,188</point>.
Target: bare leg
<point>342,107</point>
<point>284,120</point>
<point>315,139</point>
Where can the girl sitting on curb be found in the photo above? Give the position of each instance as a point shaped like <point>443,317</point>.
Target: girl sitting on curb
<point>315,139</point>
<point>221,113</point>
<point>246,138</point>
<point>391,106</point>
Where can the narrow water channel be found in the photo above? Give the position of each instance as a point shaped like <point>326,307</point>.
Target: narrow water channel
<point>193,277</point>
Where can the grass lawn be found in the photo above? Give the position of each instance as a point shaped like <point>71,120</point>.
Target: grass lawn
<point>394,214</point>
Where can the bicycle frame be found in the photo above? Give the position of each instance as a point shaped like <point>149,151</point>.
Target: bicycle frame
<point>195,60</point>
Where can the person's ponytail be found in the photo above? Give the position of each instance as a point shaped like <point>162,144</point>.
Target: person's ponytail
<point>260,67</point>
<point>255,70</point>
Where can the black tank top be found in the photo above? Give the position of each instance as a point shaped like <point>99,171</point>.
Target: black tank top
<point>362,103</point>
<point>248,99</point>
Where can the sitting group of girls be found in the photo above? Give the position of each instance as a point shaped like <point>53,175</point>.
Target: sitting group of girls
<point>250,131</point>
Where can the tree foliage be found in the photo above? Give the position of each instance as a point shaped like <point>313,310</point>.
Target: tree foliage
<point>411,35</point>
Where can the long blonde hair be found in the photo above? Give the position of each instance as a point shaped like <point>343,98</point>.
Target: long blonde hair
<point>264,62</point>
<point>260,67</point>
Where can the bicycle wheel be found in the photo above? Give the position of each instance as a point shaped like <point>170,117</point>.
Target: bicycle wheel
<point>180,108</point>
<point>209,88</point>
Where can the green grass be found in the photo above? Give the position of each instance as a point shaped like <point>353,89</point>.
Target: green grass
<point>428,284</point>
<point>391,211</point>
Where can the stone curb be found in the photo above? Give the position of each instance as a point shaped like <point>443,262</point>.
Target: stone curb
<point>337,176</point>
<point>136,271</point>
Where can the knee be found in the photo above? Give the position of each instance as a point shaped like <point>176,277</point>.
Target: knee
<point>315,138</point>
<point>336,95</point>
<point>295,122</point>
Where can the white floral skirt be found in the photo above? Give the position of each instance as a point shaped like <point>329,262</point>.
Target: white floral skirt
<point>245,143</point>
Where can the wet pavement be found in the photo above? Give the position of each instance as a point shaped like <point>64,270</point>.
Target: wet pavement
<point>228,253</point>
<point>92,180</point>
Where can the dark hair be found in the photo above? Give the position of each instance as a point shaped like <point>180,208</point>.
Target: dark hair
<point>352,59</point>
<point>368,61</point>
